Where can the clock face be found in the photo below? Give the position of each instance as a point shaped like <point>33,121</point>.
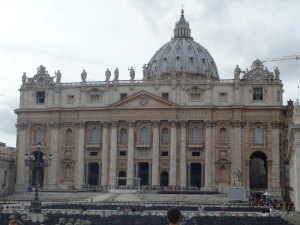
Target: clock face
<point>257,76</point>
<point>41,79</point>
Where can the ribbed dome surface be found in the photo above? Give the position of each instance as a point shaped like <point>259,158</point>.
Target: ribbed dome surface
<point>182,54</point>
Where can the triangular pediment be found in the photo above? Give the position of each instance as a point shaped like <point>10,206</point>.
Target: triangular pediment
<point>143,99</point>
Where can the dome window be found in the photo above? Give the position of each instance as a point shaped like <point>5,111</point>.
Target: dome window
<point>203,60</point>
<point>191,58</point>
<point>177,57</point>
<point>165,59</point>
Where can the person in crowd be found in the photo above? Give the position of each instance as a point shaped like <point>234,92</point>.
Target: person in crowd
<point>15,222</point>
<point>173,215</point>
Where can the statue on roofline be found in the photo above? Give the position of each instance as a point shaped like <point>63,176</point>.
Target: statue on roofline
<point>107,74</point>
<point>237,72</point>
<point>24,78</point>
<point>83,76</point>
<point>58,76</point>
<point>116,74</point>
<point>131,73</point>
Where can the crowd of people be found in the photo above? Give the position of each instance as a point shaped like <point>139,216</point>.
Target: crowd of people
<point>272,204</point>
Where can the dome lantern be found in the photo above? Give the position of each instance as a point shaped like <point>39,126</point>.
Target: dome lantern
<point>182,28</point>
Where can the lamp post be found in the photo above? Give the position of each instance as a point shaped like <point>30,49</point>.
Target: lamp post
<point>37,160</point>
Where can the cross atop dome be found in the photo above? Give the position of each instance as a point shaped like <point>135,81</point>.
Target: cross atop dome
<point>182,28</point>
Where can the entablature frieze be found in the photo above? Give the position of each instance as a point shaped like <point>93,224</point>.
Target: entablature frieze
<point>210,123</point>
<point>237,123</point>
<point>55,124</point>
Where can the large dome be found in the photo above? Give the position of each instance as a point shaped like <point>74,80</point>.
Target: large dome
<point>182,54</point>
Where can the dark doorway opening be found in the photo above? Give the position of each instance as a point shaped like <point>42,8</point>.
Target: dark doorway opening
<point>122,182</point>
<point>144,173</point>
<point>258,170</point>
<point>93,174</point>
<point>164,179</point>
<point>196,174</point>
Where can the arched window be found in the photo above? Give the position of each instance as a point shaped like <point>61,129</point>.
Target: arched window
<point>196,135</point>
<point>38,136</point>
<point>95,136</point>
<point>69,137</point>
<point>144,135</point>
<point>258,136</point>
<point>165,136</point>
<point>123,136</point>
<point>222,135</point>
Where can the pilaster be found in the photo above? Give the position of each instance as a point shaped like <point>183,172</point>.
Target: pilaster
<point>22,170</point>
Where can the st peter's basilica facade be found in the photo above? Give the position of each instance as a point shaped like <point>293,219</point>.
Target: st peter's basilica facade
<point>180,125</point>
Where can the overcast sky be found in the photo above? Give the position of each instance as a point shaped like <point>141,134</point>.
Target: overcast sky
<point>72,35</point>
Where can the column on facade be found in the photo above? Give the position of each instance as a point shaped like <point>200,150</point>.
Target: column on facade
<point>21,169</point>
<point>99,176</point>
<point>54,143</point>
<point>79,165</point>
<point>208,150</point>
<point>86,170</point>
<point>183,171</point>
<point>130,154</point>
<point>173,154</point>
<point>269,172</point>
<point>236,158</point>
<point>155,153</point>
<point>104,169</point>
<point>202,175</point>
<point>113,153</point>
<point>296,172</point>
<point>275,156</point>
<point>150,174</point>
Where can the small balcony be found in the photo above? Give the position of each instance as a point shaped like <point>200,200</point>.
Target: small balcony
<point>91,145</point>
<point>142,146</point>
<point>195,146</point>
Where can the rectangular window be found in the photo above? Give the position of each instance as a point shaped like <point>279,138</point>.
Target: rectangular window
<point>165,95</point>
<point>95,98</point>
<point>223,97</point>
<point>195,96</point>
<point>122,153</point>
<point>93,153</point>
<point>257,94</point>
<point>164,153</point>
<point>123,96</point>
<point>40,97</point>
<point>195,153</point>
<point>70,99</point>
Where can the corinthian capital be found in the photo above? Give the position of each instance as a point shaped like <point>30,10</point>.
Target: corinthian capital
<point>22,125</point>
<point>80,124</point>
<point>237,123</point>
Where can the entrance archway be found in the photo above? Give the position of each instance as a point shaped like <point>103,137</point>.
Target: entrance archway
<point>122,182</point>
<point>258,170</point>
<point>144,173</point>
<point>164,178</point>
<point>196,174</point>
<point>93,178</point>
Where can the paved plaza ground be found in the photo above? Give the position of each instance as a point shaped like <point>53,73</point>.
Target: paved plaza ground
<point>119,197</point>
